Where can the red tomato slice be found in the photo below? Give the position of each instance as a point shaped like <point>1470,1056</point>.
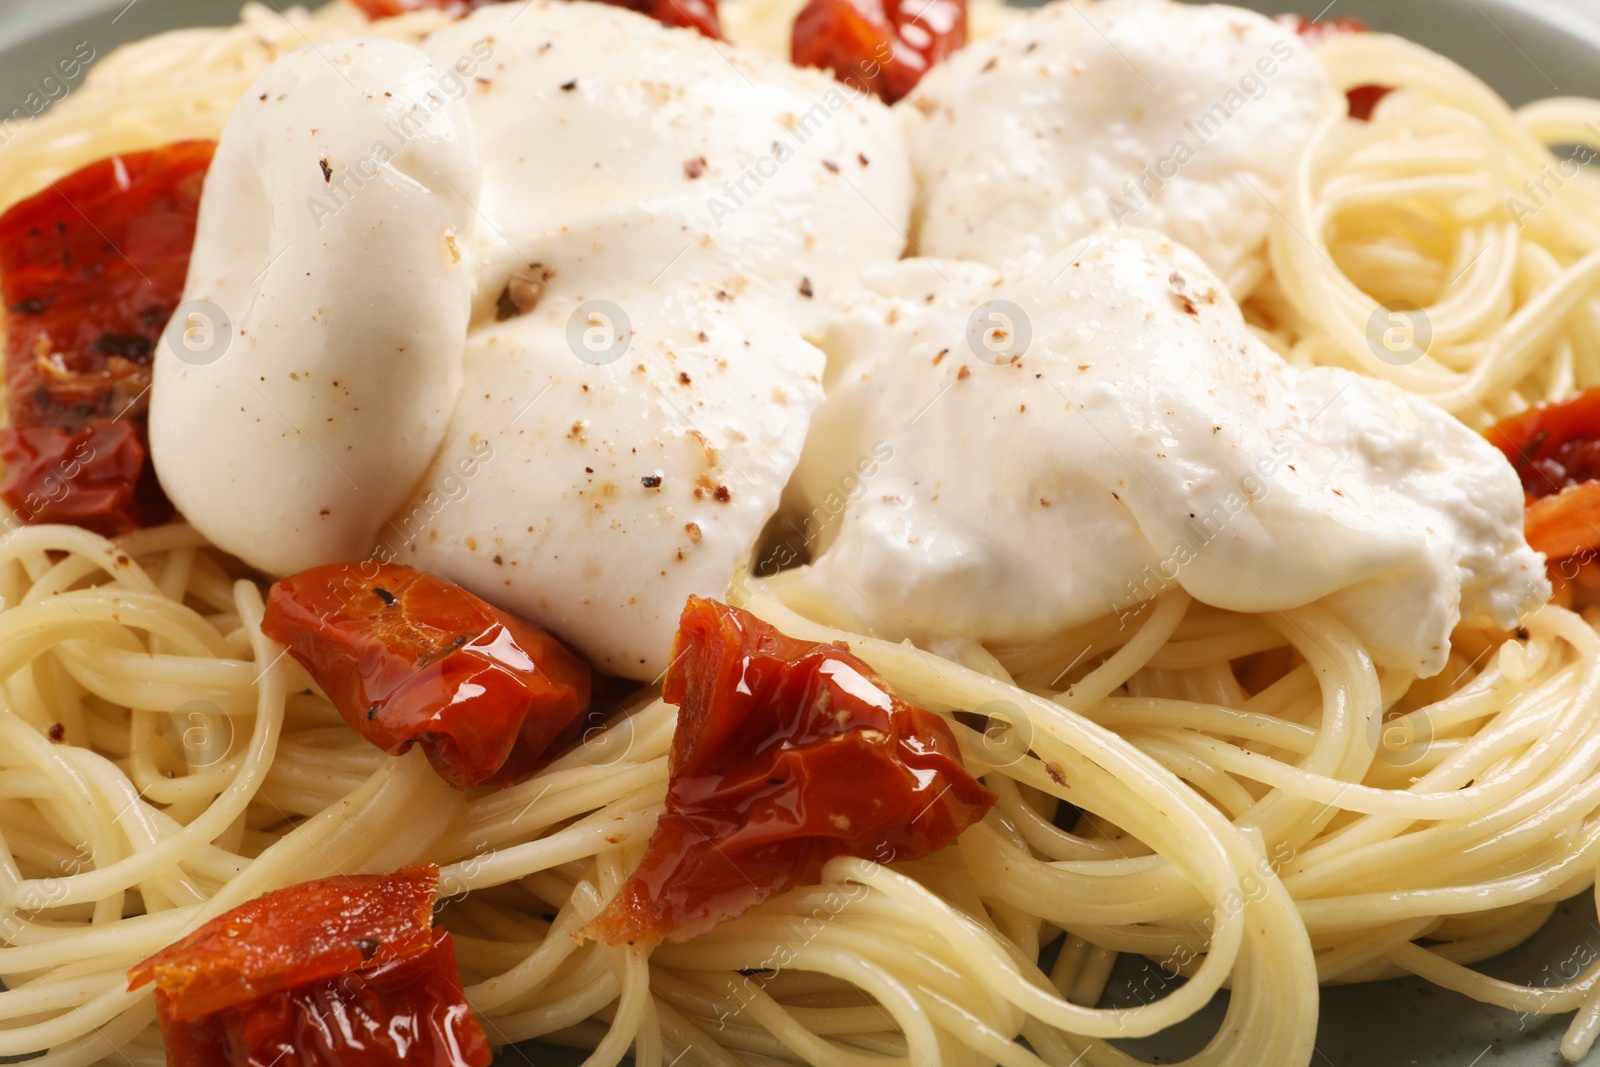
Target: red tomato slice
<point>1363,98</point>
<point>343,972</point>
<point>878,46</point>
<point>90,270</point>
<point>409,658</point>
<point>699,14</point>
<point>787,753</point>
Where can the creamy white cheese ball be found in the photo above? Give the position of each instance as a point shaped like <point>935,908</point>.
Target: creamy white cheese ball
<point>650,156</point>
<point>304,384</point>
<point>622,381</point>
<point>602,495</point>
<point>1074,435</point>
<point>1175,117</point>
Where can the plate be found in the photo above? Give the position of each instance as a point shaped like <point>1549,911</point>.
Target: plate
<point>1526,50</point>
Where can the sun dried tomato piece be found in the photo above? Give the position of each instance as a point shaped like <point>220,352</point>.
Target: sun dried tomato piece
<point>1553,446</point>
<point>409,658</point>
<point>878,46</point>
<point>96,477</point>
<point>90,270</point>
<point>698,14</point>
<point>347,971</point>
<point>695,14</point>
<point>292,936</point>
<point>787,753</point>
<point>1363,98</point>
<point>1555,450</point>
<point>1565,525</point>
<point>410,1012</point>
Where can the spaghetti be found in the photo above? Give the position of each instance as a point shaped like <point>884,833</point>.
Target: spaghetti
<point>111,643</point>
<point>1447,218</point>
